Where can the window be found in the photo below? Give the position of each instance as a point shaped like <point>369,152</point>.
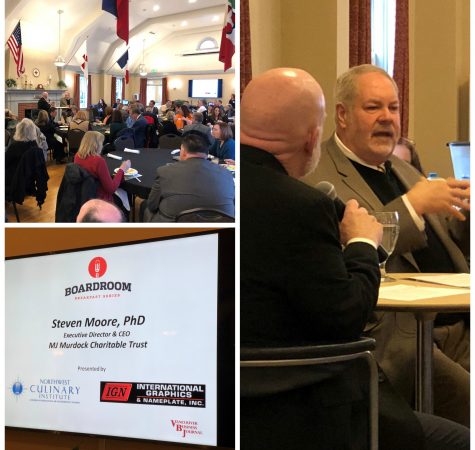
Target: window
<point>82,93</point>
<point>154,91</point>
<point>383,31</point>
<point>118,87</point>
<point>207,44</point>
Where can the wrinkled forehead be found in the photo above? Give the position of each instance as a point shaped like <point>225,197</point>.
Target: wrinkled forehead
<point>375,86</point>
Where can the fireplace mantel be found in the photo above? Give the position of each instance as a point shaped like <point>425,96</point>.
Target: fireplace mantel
<point>13,97</point>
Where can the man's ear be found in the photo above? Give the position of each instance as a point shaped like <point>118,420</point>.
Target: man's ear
<point>341,112</point>
<point>312,140</point>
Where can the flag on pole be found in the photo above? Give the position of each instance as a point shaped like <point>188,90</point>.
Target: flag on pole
<point>226,50</point>
<point>119,9</point>
<point>81,56</point>
<point>14,43</point>
<point>123,61</point>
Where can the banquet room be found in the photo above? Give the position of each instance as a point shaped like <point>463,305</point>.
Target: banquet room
<point>118,92</point>
<point>351,82</point>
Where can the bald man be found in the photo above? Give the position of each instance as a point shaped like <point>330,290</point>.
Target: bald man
<point>43,102</point>
<point>297,284</point>
<point>98,211</point>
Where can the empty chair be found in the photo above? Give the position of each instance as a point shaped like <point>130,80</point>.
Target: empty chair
<point>203,215</point>
<point>170,141</point>
<point>123,142</point>
<point>74,139</point>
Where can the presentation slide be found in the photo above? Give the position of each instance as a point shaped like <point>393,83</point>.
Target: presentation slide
<point>205,89</point>
<point>119,341</point>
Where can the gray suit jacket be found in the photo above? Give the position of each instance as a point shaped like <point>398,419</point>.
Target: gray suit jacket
<point>194,183</point>
<point>338,170</point>
<point>395,333</point>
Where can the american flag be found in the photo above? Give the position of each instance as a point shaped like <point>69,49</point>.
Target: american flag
<point>14,43</point>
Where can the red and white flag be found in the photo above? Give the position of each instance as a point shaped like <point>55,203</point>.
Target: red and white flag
<point>81,56</point>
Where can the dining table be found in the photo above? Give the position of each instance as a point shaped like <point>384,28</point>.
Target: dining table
<point>424,295</point>
<point>146,162</point>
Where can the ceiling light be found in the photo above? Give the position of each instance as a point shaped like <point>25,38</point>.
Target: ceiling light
<point>59,61</point>
<point>215,18</point>
<point>156,7</point>
<point>191,1</point>
<point>184,23</point>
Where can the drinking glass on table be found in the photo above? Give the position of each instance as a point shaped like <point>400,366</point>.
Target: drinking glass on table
<point>390,222</point>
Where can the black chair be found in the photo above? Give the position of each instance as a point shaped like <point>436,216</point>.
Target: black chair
<point>123,142</point>
<point>271,370</point>
<point>74,138</point>
<point>203,215</point>
<point>151,136</point>
<point>170,141</point>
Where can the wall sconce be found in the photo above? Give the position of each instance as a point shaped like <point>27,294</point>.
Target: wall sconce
<point>175,84</point>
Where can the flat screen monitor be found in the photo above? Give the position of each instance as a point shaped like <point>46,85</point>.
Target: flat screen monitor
<point>125,102</point>
<point>205,88</point>
<point>460,155</point>
<point>132,340</point>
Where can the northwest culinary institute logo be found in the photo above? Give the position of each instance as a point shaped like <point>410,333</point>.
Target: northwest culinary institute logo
<point>97,267</point>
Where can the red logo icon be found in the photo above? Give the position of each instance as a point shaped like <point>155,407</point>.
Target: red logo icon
<point>97,267</point>
<point>116,392</point>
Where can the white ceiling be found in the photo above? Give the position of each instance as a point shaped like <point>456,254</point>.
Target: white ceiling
<point>175,28</point>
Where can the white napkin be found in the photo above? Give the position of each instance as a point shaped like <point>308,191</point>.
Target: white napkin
<point>123,197</point>
<point>131,150</point>
<point>175,152</point>
<point>114,156</point>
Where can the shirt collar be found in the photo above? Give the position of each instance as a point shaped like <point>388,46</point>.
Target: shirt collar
<point>350,155</point>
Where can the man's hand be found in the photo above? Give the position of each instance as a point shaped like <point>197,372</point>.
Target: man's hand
<point>357,223</point>
<point>440,196</point>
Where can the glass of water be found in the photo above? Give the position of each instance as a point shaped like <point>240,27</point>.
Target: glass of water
<point>390,222</point>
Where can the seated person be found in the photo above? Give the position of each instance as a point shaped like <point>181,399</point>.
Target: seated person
<point>24,138</point>
<point>80,121</point>
<point>166,107</point>
<point>357,159</point>
<point>48,129</point>
<point>10,119</point>
<point>406,150</point>
<point>151,105</point>
<point>66,100</point>
<point>216,116</point>
<point>223,147</point>
<point>101,107</point>
<point>193,182</point>
<point>150,117</point>
<point>89,157</point>
<point>139,126</point>
<point>117,124</point>
<point>168,126</point>
<point>108,113</point>
<point>182,116</point>
<point>197,125</point>
<point>100,211</point>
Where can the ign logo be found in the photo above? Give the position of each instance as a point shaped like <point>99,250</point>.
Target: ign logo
<point>116,392</point>
<point>97,267</point>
